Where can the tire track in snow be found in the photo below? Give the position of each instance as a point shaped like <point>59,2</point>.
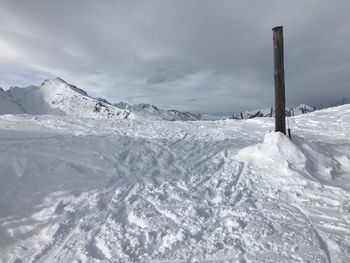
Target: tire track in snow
<point>323,243</point>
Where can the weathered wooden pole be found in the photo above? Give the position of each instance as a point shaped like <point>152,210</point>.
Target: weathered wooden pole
<point>280,99</point>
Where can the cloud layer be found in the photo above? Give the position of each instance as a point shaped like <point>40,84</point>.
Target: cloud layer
<point>197,55</point>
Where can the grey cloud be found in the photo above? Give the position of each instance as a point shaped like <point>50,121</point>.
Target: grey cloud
<point>165,52</point>
<point>165,75</point>
<point>157,79</point>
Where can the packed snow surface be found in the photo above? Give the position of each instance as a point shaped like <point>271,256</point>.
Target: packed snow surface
<point>90,190</point>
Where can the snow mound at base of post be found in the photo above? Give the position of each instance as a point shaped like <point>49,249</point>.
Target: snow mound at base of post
<point>276,148</point>
<point>298,160</point>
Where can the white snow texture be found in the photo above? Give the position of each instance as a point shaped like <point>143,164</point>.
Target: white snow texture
<point>75,189</point>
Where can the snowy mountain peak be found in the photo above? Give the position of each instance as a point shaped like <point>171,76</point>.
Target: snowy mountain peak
<point>123,105</point>
<point>146,107</point>
<point>57,97</point>
<point>56,80</point>
<point>61,84</point>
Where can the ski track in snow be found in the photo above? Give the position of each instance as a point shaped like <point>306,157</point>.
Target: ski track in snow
<point>85,190</point>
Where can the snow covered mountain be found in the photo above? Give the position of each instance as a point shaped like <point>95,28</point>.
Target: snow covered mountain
<point>151,112</point>
<point>270,112</point>
<point>57,97</point>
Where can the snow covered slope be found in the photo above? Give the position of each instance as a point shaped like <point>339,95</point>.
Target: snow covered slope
<point>87,190</point>
<point>57,97</point>
<point>8,105</point>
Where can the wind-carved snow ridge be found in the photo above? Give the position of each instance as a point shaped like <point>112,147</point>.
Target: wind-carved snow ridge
<point>88,190</point>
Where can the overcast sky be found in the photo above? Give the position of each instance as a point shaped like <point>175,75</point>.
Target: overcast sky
<point>211,56</point>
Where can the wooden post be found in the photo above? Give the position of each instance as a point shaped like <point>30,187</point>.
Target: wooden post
<point>289,134</point>
<point>280,99</point>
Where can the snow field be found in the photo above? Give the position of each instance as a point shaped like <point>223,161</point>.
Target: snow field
<point>85,190</point>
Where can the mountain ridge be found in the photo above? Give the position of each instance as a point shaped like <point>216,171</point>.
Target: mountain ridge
<point>58,97</point>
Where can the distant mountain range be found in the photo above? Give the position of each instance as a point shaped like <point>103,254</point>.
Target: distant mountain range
<point>270,112</point>
<point>57,97</point>
<point>148,111</point>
